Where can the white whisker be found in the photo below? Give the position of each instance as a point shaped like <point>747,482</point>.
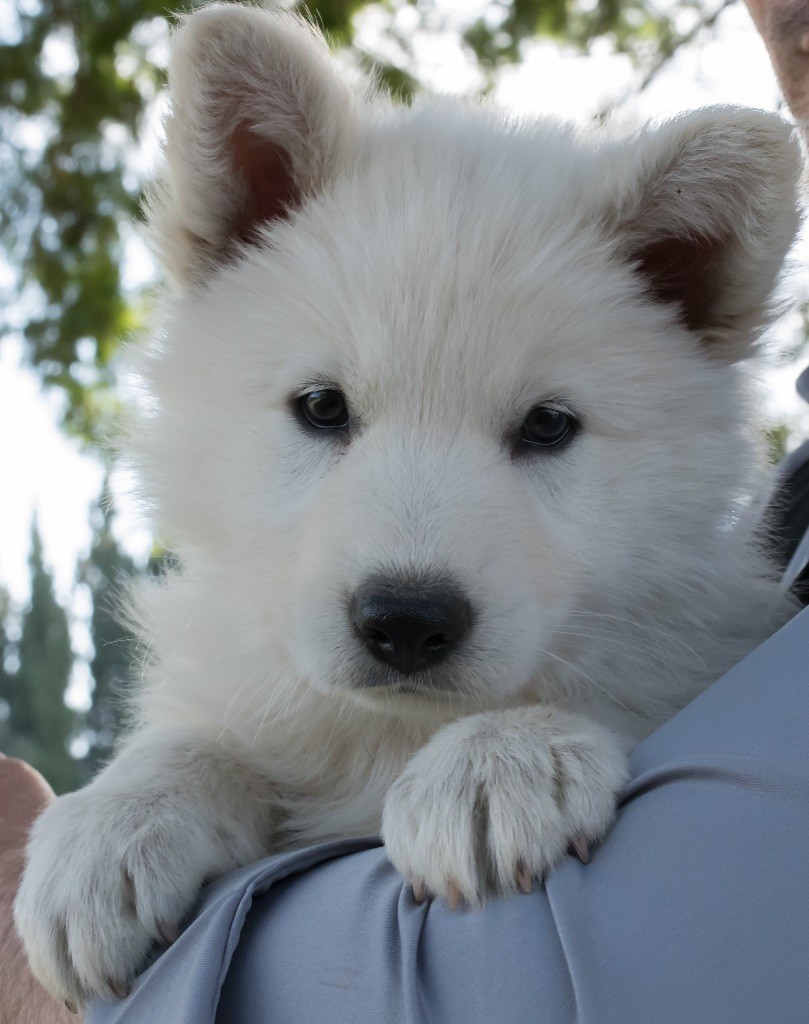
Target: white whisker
<point>584,675</point>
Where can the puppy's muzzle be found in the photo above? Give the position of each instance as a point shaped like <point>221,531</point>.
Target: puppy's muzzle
<point>407,626</point>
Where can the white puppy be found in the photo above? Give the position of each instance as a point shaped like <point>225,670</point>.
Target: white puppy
<point>449,432</point>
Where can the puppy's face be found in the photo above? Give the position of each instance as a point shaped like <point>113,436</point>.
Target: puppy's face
<point>471,395</point>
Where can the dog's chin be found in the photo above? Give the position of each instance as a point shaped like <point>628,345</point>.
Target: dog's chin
<point>407,700</point>
<point>419,695</point>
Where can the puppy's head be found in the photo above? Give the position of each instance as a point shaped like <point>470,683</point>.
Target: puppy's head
<point>452,396</point>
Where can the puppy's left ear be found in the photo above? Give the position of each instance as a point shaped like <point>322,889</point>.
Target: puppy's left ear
<point>706,208</point>
<point>259,120</point>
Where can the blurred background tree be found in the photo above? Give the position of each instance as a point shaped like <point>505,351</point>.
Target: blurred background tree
<point>37,724</point>
<point>38,661</point>
<point>106,572</point>
<point>79,81</point>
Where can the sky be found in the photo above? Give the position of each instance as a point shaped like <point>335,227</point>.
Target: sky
<point>44,472</point>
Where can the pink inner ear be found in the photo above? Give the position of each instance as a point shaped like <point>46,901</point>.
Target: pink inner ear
<point>266,170</point>
<point>685,272</point>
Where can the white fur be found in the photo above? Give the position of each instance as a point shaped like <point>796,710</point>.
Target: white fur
<point>448,268</point>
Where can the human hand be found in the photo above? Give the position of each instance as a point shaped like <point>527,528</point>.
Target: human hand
<point>24,794</point>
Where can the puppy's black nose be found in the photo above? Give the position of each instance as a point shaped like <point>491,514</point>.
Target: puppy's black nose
<point>410,627</point>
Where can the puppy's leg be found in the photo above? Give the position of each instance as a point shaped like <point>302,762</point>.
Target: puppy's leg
<point>113,868</point>
<point>492,801</point>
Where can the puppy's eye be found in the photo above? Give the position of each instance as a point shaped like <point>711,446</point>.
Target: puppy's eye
<point>546,427</point>
<point>325,409</point>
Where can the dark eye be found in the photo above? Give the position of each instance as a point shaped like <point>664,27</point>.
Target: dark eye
<point>546,427</point>
<point>325,409</point>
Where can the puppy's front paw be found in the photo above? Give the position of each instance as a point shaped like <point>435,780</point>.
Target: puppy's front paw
<point>107,878</point>
<point>492,801</point>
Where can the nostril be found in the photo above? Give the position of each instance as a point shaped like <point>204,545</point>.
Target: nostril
<point>435,643</point>
<point>378,639</point>
<point>409,627</point>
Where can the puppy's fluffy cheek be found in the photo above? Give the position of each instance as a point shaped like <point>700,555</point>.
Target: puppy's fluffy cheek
<point>320,644</point>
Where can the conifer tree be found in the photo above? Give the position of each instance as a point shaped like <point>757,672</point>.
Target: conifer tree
<point>6,654</point>
<point>38,724</point>
<point>107,571</point>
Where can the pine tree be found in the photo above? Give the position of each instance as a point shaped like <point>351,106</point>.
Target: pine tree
<point>107,571</point>
<point>6,654</point>
<point>38,724</point>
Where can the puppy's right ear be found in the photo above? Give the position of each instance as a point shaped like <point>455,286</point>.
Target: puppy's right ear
<point>259,119</point>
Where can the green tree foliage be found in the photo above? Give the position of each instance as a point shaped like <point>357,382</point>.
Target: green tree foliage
<point>75,81</point>
<point>650,33</point>
<point>777,438</point>
<point>37,724</point>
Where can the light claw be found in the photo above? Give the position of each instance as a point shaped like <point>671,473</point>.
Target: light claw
<point>524,879</point>
<point>453,896</point>
<point>118,988</point>
<point>580,849</point>
<point>419,892</point>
